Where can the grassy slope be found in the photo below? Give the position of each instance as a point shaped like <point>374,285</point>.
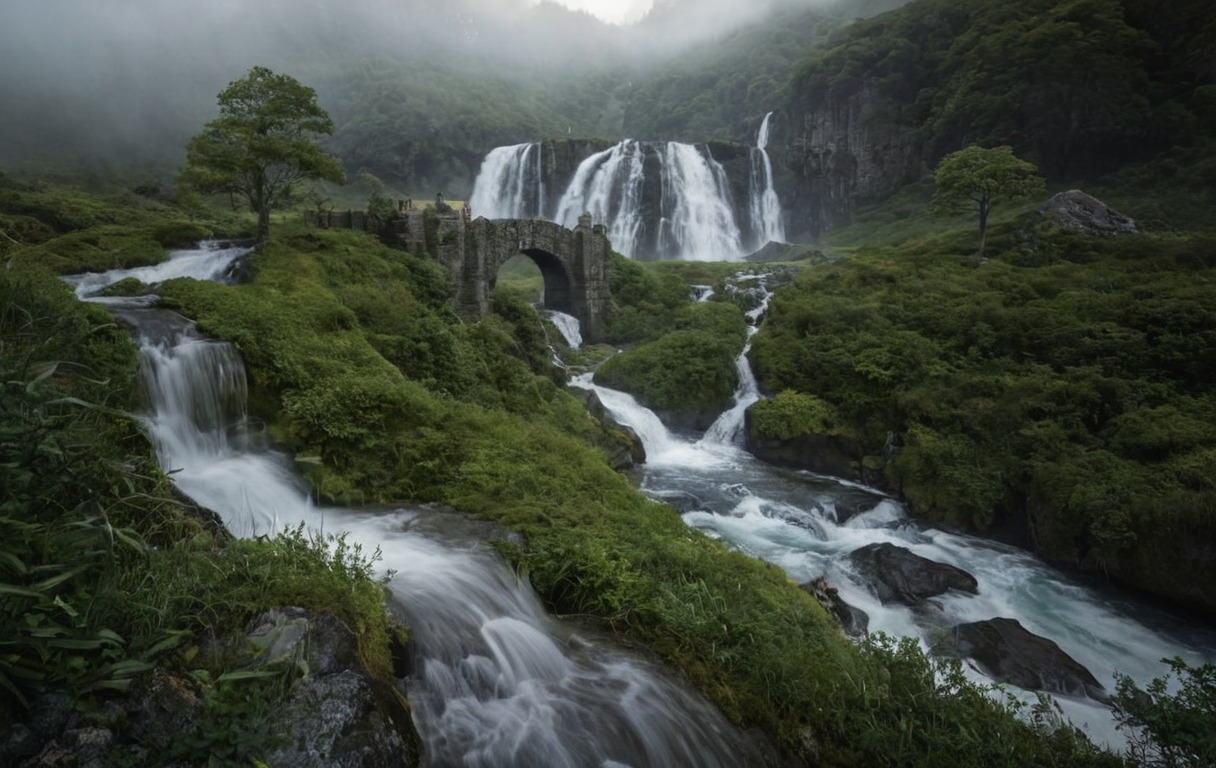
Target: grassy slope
<point>1023,385</point>
<point>492,437</point>
<point>105,575</point>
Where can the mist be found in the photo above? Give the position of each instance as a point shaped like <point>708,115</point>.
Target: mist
<point>127,82</point>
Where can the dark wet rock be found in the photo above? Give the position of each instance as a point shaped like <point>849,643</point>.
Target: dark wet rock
<point>850,504</point>
<point>853,620</point>
<point>320,643</point>
<point>333,720</point>
<point>682,501</point>
<point>335,714</point>
<point>897,575</point>
<point>1010,653</point>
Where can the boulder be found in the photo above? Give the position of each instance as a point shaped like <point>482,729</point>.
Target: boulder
<point>334,714</point>
<point>1077,211</point>
<point>853,620</point>
<point>896,575</point>
<point>1010,653</point>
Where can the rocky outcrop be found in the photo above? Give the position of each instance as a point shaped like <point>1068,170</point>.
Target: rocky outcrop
<point>1009,653</point>
<point>897,575</point>
<point>853,620</point>
<point>824,454</point>
<point>333,714</point>
<point>1077,211</point>
<point>847,151</point>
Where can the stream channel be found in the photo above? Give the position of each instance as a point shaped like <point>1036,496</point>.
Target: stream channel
<point>496,681</point>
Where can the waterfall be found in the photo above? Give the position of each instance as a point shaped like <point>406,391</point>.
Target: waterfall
<point>728,427</point>
<point>567,326</point>
<point>765,205</point>
<point>496,681</point>
<point>608,185</point>
<point>698,219</point>
<point>510,184</point>
<point>682,210</point>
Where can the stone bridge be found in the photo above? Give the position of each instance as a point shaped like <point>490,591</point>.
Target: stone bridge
<point>573,262</point>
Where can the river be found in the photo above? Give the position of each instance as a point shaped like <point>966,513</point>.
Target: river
<point>808,525</point>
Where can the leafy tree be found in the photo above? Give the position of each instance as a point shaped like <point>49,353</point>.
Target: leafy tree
<point>1171,723</point>
<point>263,144</point>
<point>976,178</point>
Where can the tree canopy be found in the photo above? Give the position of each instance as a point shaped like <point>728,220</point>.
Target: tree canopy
<point>263,144</point>
<point>976,178</point>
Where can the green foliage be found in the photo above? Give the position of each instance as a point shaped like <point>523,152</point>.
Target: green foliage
<point>1067,391</point>
<point>976,179</point>
<point>645,300</point>
<point>263,144</point>
<point>1080,87</point>
<point>790,414</point>
<point>180,234</point>
<point>1169,724</point>
<point>689,374</point>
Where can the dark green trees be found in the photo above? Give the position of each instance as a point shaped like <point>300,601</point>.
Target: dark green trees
<point>263,144</point>
<point>976,178</point>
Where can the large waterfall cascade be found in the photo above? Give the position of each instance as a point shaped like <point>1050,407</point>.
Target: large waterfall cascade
<point>497,682</point>
<point>808,524</point>
<point>692,216</point>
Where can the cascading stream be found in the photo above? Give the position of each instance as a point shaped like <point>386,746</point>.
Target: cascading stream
<point>765,204</point>
<point>809,524</point>
<point>727,429</point>
<point>496,683</point>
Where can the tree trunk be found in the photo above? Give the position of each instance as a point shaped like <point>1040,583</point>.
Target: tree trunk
<point>263,225</point>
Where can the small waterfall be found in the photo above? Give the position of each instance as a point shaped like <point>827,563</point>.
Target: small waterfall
<point>698,218</point>
<point>510,184</point>
<point>727,429</point>
<point>210,261</point>
<point>567,326</point>
<point>765,205</point>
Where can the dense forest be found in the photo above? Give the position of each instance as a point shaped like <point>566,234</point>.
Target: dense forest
<point>1055,394</point>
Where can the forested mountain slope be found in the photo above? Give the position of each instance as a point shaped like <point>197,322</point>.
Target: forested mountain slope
<point>1082,88</point>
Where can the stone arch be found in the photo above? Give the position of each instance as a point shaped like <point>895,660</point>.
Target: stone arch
<point>559,294</point>
<point>573,263</point>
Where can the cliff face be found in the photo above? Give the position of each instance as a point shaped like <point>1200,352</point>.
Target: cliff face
<point>843,152</point>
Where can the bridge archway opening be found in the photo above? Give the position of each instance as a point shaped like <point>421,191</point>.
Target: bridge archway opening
<point>533,268</point>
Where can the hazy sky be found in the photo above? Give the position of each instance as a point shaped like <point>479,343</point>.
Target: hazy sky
<point>612,11</point>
